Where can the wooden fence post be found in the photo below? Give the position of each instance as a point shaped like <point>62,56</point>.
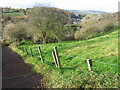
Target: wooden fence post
<point>40,52</point>
<point>89,62</point>
<point>26,51</point>
<point>23,49</point>
<point>53,54</point>
<point>19,48</point>
<point>31,52</point>
<point>57,58</point>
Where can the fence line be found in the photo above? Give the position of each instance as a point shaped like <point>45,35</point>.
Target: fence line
<point>40,53</point>
<point>96,61</point>
<point>108,64</point>
<point>80,58</point>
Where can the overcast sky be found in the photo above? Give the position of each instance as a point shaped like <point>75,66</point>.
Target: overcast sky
<point>102,5</point>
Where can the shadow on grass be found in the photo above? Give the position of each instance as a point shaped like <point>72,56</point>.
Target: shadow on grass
<point>69,68</point>
<point>50,63</point>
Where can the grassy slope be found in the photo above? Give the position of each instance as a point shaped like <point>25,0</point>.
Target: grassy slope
<point>73,55</point>
<point>14,14</point>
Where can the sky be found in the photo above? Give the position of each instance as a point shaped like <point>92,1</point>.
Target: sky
<point>99,5</point>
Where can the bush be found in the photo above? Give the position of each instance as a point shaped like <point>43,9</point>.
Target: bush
<point>14,32</point>
<point>69,31</point>
<point>92,27</point>
<point>108,26</point>
<point>7,17</point>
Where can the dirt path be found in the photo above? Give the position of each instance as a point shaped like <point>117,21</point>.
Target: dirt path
<point>15,73</point>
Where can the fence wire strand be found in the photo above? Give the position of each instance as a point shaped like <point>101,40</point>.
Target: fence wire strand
<point>86,59</point>
<point>95,61</point>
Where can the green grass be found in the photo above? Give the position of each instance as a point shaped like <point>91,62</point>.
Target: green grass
<point>13,14</point>
<point>73,54</point>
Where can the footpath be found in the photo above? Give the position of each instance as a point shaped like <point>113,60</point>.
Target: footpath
<point>16,74</point>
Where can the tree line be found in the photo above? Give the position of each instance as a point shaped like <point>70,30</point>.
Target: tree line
<point>46,25</point>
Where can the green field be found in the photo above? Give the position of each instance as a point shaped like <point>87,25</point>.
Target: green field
<point>13,14</point>
<point>102,49</point>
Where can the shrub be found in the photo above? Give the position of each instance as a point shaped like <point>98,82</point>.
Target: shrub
<point>108,26</point>
<point>14,32</point>
<point>69,31</point>
<point>92,27</point>
<point>7,17</point>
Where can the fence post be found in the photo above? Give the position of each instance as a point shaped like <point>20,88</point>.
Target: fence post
<point>19,48</point>
<point>23,49</point>
<point>89,62</point>
<point>53,53</point>
<point>40,52</point>
<point>26,51</point>
<point>57,58</point>
<point>31,52</point>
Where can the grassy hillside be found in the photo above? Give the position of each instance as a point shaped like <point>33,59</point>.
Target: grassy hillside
<point>102,49</point>
<point>13,14</point>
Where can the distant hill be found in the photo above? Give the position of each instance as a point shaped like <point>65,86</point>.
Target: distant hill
<point>87,12</point>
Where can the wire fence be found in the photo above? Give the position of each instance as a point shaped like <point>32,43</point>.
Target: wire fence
<point>61,55</point>
<point>94,61</point>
